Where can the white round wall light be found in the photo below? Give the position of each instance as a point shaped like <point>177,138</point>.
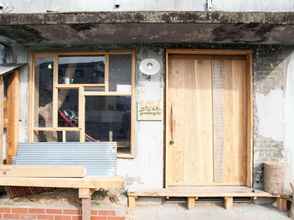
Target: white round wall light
<point>149,66</point>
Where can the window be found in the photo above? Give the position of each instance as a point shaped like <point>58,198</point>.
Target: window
<point>83,97</point>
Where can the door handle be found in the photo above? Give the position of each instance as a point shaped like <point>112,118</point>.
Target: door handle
<point>172,125</point>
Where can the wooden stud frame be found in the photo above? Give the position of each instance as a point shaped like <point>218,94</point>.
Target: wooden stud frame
<point>249,95</point>
<point>82,94</point>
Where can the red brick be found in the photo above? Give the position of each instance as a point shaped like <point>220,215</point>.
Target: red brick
<point>107,212</point>
<point>37,211</point>
<point>19,210</point>
<point>45,217</point>
<point>72,211</point>
<point>99,218</point>
<point>115,218</point>
<point>62,217</point>
<point>53,211</point>
<point>10,216</point>
<point>5,210</point>
<point>76,217</point>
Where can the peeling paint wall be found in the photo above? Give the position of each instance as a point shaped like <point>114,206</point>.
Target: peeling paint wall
<point>271,69</point>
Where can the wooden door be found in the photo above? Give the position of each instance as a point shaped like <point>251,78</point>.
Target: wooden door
<point>206,122</point>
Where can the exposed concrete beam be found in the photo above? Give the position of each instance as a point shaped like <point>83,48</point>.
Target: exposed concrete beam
<point>183,17</point>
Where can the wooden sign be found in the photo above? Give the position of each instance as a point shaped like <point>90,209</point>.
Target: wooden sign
<point>149,111</point>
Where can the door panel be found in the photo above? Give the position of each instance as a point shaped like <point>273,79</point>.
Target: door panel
<point>205,123</point>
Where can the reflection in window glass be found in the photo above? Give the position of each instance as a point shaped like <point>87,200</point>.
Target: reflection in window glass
<point>81,69</point>
<point>43,92</point>
<point>48,136</point>
<point>72,136</point>
<point>68,107</point>
<point>108,118</point>
<point>120,72</point>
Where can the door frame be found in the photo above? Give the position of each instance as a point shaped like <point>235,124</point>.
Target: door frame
<point>249,94</point>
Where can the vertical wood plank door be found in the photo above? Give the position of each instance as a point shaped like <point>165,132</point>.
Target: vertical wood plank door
<point>206,122</point>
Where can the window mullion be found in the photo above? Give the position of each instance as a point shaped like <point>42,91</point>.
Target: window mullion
<point>55,92</point>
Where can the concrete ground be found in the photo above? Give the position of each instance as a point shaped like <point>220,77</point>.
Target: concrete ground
<point>173,211</point>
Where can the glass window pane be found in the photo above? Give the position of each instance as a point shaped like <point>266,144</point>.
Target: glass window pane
<point>72,136</point>
<point>48,136</point>
<point>120,66</point>
<point>43,92</point>
<point>108,118</point>
<point>81,69</point>
<point>68,107</point>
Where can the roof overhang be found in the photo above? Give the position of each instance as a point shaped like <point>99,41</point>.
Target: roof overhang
<point>9,68</point>
<point>82,28</point>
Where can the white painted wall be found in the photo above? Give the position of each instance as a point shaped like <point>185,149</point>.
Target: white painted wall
<point>29,6</point>
<point>289,122</point>
<point>146,169</point>
<point>270,114</point>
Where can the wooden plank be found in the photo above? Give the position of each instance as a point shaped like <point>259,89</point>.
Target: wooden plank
<point>131,201</point>
<point>228,202</point>
<point>201,192</point>
<point>42,171</point>
<point>133,107</point>
<point>86,209</point>
<point>84,193</point>
<point>209,51</point>
<point>1,119</point>
<point>82,115</point>
<point>55,92</point>
<point>191,201</point>
<point>189,109</point>
<point>86,182</point>
<point>31,118</point>
<point>250,129</point>
<point>218,120</point>
<point>235,127</point>
<point>13,114</point>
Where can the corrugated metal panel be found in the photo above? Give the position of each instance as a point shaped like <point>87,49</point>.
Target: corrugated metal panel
<point>99,158</point>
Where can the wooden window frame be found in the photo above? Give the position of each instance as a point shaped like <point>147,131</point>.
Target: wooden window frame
<point>247,53</point>
<point>82,94</point>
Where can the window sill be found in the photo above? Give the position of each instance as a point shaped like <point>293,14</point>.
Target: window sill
<point>125,156</point>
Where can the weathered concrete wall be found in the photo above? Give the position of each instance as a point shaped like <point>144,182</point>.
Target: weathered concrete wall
<point>271,68</point>
<point>29,6</point>
<point>146,169</point>
<point>273,82</point>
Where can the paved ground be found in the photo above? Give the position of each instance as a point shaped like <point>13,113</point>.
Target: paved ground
<point>207,212</point>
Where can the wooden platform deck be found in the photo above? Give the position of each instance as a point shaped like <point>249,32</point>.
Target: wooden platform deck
<point>193,193</point>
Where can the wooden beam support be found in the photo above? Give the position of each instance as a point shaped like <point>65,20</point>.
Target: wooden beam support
<point>282,204</point>
<point>13,114</point>
<point>131,201</point>
<point>228,202</point>
<point>75,183</point>
<point>86,208</point>
<point>191,201</point>
<point>46,171</point>
<point>1,118</point>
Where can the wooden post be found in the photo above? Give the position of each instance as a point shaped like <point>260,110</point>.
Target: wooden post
<point>228,202</point>
<point>282,204</point>
<point>85,195</point>
<point>1,118</point>
<point>191,201</point>
<point>12,114</point>
<point>131,201</point>
<point>291,213</point>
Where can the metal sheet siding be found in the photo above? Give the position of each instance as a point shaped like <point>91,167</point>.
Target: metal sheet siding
<point>98,158</point>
